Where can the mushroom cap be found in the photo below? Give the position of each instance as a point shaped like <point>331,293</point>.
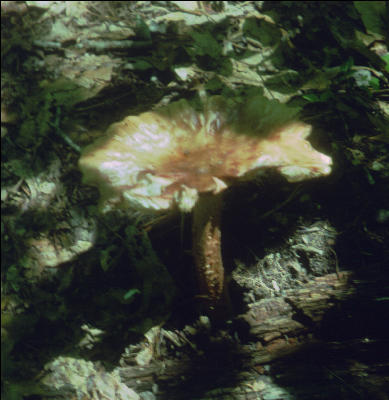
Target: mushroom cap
<point>165,157</point>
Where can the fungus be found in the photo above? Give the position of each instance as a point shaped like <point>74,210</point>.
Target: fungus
<point>178,157</point>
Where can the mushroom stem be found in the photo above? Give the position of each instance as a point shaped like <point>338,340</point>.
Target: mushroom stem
<point>207,249</point>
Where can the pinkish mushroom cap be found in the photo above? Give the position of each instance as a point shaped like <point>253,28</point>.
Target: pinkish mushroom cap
<point>167,157</point>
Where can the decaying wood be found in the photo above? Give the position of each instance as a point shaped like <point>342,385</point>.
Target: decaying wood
<point>299,310</point>
<point>279,330</point>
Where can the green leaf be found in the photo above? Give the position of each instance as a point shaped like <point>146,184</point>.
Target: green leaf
<point>346,67</point>
<point>214,84</point>
<point>375,83</point>
<point>386,59</point>
<point>206,44</point>
<point>141,65</point>
<point>318,98</point>
<point>131,293</point>
<point>372,14</point>
<point>311,97</point>
<point>265,32</point>
<point>382,298</point>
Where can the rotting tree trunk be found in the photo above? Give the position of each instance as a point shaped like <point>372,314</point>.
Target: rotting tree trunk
<point>284,333</point>
<point>300,310</point>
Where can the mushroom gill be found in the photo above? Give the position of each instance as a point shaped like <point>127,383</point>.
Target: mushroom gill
<point>178,157</point>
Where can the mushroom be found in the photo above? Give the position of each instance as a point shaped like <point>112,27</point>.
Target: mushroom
<point>179,157</point>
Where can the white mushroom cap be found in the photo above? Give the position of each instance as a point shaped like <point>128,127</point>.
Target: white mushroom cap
<point>166,157</point>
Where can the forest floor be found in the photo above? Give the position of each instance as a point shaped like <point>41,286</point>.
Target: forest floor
<point>103,305</point>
